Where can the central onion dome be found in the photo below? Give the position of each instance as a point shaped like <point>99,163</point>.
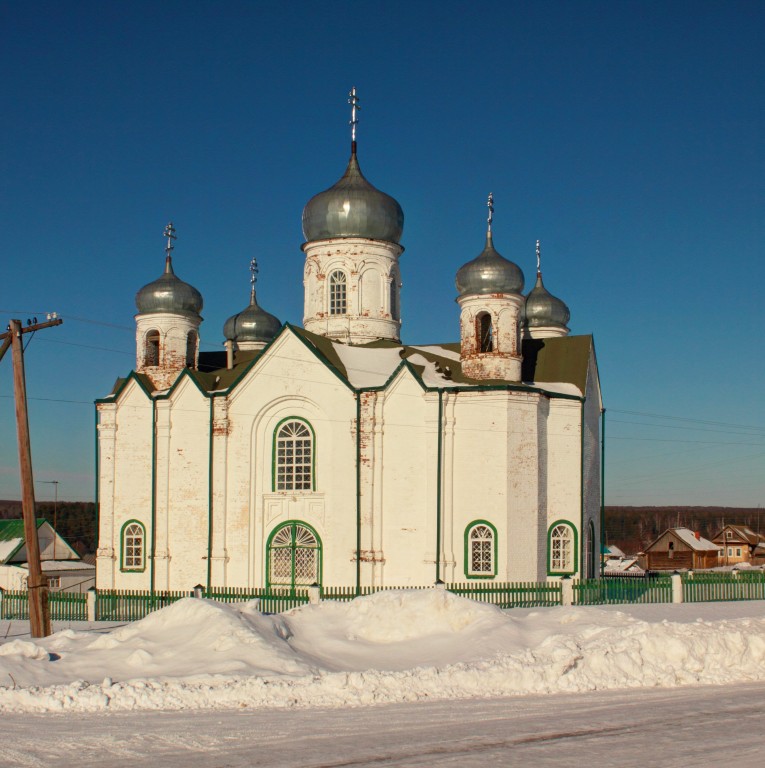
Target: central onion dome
<point>353,208</point>
<point>489,272</point>
<point>169,294</point>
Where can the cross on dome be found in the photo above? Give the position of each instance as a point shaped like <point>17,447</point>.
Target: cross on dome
<point>490,206</point>
<point>169,233</point>
<point>539,259</point>
<point>354,102</point>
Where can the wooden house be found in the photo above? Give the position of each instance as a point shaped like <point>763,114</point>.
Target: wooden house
<point>680,549</point>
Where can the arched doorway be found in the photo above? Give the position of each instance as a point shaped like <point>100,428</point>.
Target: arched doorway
<point>293,557</point>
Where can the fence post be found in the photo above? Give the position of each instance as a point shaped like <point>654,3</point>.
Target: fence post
<point>92,593</point>
<point>566,591</point>
<point>2,593</point>
<point>198,591</point>
<point>314,594</point>
<point>677,588</point>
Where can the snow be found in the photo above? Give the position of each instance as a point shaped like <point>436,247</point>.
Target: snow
<point>397,646</point>
<point>699,544</point>
<point>368,367</point>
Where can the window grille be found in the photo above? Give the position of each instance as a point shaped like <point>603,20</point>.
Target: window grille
<point>294,557</point>
<point>481,551</point>
<point>338,293</point>
<point>393,297</point>
<point>133,550</point>
<point>294,457</point>
<point>562,549</point>
<point>151,349</point>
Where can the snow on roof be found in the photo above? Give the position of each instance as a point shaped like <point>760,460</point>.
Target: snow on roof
<point>435,349</point>
<point>7,548</point>
<point>368,366</point>
<point>699,544</point>
<point>63,565</point>
<point>614,551</point>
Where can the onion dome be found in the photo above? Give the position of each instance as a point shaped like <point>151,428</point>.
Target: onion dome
<point>168,293</point>
<point>489,272</point>
<point>252,324</point>
<point>353,208</point>
<point>543,310</point>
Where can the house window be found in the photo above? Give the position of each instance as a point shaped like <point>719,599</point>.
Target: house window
<point>293,456</point>
<point>338,293</point>
<point>133,546</point>
<point>294,556</point>
<point>728,534</point>
<point>561,548</point>
<point>730,551</point>
<point>54,582</point>
<point>191,349</point>
<point>485,331</point>
<point>480,550</point>
<point>738,551</point>
<point>151,349</point>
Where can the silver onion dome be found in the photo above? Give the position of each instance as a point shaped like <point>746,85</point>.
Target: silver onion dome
<point>251,324</point>
<point>489,272</point>
<point>169,294</point>
<point>543,310</point>
<point>353,208</point>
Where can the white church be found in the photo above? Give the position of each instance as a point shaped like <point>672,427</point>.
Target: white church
<point>336,455</point>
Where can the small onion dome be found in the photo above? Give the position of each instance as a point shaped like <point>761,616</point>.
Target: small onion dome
<point>252,324</point>
<point>543,310</point>
<point>169,294</point>
<point>353,208</point>
<point>489,273</point>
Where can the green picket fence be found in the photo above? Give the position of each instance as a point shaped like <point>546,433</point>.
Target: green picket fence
<point>715,587</point>
<point>63,606</point>
<point>614,591</point>
<point>132,604</point>
<point>524,594</point>
<point>274,600</point>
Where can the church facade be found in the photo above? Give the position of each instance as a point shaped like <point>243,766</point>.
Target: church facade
<point>333,454</point>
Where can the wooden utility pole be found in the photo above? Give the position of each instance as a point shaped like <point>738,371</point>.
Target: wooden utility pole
<point>37,584</point>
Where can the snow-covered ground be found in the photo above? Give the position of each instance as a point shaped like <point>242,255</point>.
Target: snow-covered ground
<point>386,648</point>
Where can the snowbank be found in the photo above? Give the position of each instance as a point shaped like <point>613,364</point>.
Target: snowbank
<point>390,647</point>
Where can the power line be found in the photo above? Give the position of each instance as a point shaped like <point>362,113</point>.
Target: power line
<point>683,418</point>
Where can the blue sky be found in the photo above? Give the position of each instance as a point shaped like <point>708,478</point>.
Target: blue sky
<point>628,137</point>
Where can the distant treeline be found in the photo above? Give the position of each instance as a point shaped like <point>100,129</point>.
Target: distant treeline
<point>629,528</point>
<point>634,528</point>
<point>75,521</point>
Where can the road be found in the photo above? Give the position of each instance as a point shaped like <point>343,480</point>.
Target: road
<point>699,726</point>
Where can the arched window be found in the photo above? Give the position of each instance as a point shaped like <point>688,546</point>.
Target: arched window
<point>485,330</point>
<point>293,456</point>
<point>133,546</point>
<point>561,548</point>
<point>294,556</point>
<point>151,349</point>
<point>480,550</point>
<point>393,296</point>
<point>338,293</point>
<point>589,551</point>
<point>191,349</point>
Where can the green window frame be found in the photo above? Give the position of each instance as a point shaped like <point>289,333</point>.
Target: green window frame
<point>480,550</point>
<point>293,556</point>
<point>562,548</point>
<point>133,547</point>
<point>294,456</point>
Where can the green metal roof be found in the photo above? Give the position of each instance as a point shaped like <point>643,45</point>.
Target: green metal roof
<point>14,529</point>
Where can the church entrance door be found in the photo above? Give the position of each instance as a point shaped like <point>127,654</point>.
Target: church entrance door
<point>293,558</point>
